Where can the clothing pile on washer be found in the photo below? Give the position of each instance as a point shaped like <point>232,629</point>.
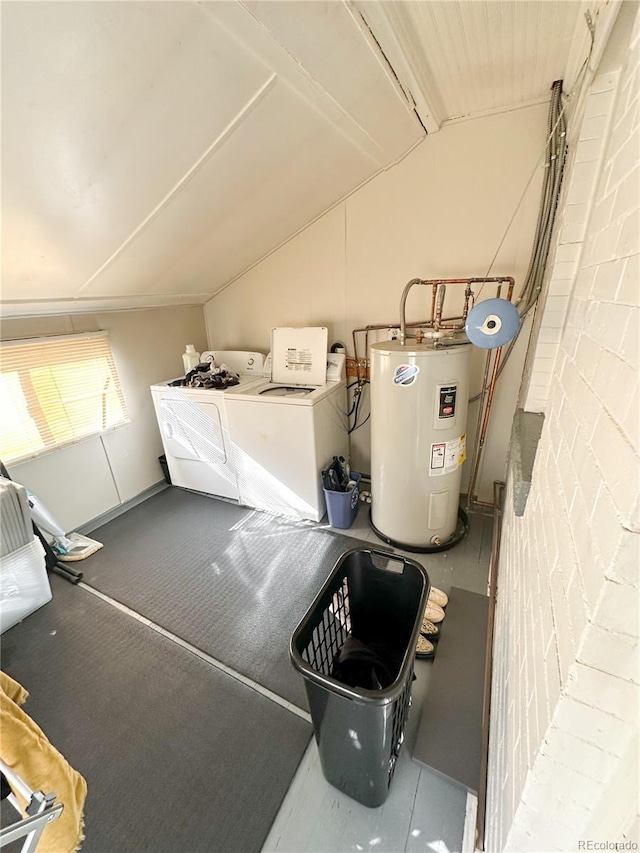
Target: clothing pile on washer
<point>207,375</point>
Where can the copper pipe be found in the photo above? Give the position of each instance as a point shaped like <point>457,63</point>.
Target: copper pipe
<point>485,408</point>
<point>485,420</point>
<point>355,349</point>
<point>434,285</point>
<point>366,352</point>
<point>450,323</point>
<point>365,356</point>
<point>512,284</point>
<point>443,282</point>
<point>474,460</point>
<point>442,292</point>
<point>492,280</point>
<point>492,388</point>
<point>434,291</point>
<point>426,323</point>
<point>355,355</point>
<point>378,326</point>
<point>468,294</point>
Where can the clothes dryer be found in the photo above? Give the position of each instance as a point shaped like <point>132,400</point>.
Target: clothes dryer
<point>194,428</point>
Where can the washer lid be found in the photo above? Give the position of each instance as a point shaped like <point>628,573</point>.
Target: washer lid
<point>299,356</point>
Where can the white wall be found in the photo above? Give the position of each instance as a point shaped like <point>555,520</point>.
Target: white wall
<point>441,212</point>
<point>80,482</point>
<point>564,734</point>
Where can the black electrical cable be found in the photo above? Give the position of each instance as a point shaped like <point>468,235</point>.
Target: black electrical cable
<point>355,396</point>
<point>353,429</point>
<point>355,413</point>
<point>352,407</point>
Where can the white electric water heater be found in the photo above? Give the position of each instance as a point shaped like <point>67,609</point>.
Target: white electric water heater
<point>419,396</point>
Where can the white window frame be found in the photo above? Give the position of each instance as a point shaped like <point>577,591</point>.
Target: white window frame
<point>39,421</point>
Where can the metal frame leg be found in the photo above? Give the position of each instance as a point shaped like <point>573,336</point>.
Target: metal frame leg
<point>41,808</point>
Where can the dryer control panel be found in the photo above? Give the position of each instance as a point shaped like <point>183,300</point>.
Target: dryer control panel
<point>238,361</point>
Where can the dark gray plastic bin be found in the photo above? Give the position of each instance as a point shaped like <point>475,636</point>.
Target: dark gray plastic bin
<point>378,598</point>
<point>342,507</point>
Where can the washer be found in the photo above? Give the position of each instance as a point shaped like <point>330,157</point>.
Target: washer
<point>283,436</point>
<point>194,429</point>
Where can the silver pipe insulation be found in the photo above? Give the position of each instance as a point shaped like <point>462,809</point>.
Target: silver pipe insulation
<point>556,155</point>
<point>556,150</point>
<point>403,311</point>
<point>554,163</point>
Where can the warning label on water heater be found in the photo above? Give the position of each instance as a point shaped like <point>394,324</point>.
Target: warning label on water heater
<point>447,456</point>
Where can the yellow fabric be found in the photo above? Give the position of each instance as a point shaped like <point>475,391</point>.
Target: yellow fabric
<point>26,750</point>
<point>12,689</point>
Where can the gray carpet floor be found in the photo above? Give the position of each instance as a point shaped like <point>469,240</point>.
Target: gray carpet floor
<point>177,755</point>
<point>231,581</point>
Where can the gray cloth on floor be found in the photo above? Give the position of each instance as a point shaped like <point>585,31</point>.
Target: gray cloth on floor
<point>178,756</point>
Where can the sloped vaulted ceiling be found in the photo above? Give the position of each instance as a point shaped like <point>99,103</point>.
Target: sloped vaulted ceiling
<point>153,151</point>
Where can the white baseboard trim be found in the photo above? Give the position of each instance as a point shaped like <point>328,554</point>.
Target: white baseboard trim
<point>110,514</point>
<point>470,815</point>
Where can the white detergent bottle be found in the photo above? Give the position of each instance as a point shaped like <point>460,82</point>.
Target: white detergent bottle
<point>190,358</point>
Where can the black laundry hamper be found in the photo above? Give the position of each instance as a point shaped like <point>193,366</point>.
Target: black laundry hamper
<point>379,599</point>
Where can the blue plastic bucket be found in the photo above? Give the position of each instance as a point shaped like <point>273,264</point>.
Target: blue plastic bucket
<point>342,507</point>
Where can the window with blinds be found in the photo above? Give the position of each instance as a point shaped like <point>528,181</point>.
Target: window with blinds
<point>56,391</point>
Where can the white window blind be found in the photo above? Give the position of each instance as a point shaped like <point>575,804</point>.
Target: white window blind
<point>55,391</point>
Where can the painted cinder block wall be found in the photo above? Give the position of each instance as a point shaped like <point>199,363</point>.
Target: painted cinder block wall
<point>563,760</point>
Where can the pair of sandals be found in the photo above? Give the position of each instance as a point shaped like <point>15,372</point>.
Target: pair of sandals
<point>430,630</point>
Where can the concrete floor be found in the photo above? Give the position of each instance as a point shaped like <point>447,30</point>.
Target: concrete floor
<point>423,810</point>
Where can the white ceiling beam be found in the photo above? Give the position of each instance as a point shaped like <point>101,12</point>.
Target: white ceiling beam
<point>390,26</point>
